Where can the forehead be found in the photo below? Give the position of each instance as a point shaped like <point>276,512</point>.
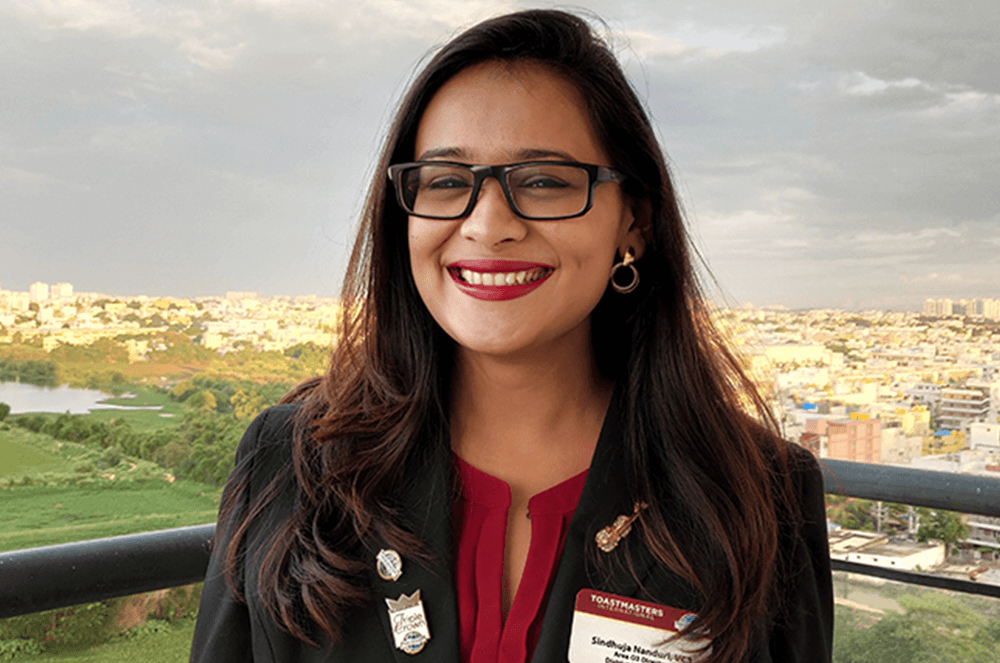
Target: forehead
<point>501,112</point>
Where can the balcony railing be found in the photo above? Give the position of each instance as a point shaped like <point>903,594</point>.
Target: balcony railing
<point>57,576</point>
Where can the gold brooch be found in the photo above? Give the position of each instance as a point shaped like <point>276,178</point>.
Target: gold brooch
<point>608,537</point>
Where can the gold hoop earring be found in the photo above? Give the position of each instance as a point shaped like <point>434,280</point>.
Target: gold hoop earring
<point>633,283</point>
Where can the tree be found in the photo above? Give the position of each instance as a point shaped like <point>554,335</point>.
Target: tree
<point>246,405</point>
<point>935,627</point>
<point>203,400</point>
<point>4,411</point>
<point>944,526</point>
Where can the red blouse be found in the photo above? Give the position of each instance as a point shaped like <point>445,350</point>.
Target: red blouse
<point>480,517</point>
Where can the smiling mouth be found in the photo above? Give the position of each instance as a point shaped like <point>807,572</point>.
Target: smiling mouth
<point>501,278</point>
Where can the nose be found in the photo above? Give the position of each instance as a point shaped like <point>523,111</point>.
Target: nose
<point>492,221</point>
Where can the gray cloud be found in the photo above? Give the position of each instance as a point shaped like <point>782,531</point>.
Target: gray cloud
<point>828,153</point>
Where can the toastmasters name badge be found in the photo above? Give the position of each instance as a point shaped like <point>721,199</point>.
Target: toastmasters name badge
<point>409,623</point>
<point>617,629</point>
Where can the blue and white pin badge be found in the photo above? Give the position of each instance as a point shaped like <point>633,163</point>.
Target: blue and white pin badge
<point>408,622</point>
<point>388,564</point>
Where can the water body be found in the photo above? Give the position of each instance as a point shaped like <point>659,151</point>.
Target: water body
<point>30,398</point>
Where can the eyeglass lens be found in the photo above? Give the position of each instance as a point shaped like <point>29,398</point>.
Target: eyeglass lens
<point>537,191</point>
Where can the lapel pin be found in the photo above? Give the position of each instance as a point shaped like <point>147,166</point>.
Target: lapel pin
<point>608,537</point>
<point>408,622</point>
<point>388,564</point>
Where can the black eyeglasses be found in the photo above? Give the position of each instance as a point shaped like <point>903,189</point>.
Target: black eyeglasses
<point>537,190</point>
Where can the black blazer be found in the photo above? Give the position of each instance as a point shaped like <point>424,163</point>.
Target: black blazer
<point>228,631</point>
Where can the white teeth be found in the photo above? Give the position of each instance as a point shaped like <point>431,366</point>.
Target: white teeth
<point>502,278</point>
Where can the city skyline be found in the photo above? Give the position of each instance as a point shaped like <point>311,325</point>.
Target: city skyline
<point>40,291</point>
<point>843,157</point>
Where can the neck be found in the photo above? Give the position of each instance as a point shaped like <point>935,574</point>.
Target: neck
<point>510,414</point>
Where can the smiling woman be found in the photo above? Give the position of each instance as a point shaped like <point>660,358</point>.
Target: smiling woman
<point>502,112</point>
<point>531,443</point>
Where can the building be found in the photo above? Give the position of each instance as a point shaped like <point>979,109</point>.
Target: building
<point>984,532</point>
<point>898,447</point>
<point>858,438</point>
<point>883,550</point>
<point>991,309</point>
<point>961,407</point>
<point>39,291</point>
<point>983,435</point>
<point>61,290</point>
<point>928,393</point>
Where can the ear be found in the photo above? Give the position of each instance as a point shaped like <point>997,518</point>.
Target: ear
<point>636,226</point>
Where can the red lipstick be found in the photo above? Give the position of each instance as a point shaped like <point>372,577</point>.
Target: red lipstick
<point>495,293</point>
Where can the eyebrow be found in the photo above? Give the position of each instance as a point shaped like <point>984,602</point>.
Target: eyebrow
<point>529,154</point>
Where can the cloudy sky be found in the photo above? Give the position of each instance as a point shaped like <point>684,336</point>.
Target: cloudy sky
<point>831,153</point>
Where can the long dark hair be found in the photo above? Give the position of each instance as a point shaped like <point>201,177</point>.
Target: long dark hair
<point>698,437</point>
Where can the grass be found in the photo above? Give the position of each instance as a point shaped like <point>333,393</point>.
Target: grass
<point>23,452</point>
<point>141,397</point>
<point>53,494</point>
<point>142,420</point>
<point>171,647</point>
<point>45,515</point>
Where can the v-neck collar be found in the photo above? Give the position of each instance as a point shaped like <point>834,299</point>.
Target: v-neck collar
<point>426,505</point>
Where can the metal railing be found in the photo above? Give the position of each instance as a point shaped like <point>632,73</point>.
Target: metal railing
<point>68,574</point>
<point>965,493</point>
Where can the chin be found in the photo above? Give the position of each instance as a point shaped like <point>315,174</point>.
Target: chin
<point>494,345</point>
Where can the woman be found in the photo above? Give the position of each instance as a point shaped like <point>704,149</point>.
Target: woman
<point>513,456</point>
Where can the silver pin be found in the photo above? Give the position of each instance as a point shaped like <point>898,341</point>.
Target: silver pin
<point>408,622</point>
<point>388,564</point>
<point>608,537</point>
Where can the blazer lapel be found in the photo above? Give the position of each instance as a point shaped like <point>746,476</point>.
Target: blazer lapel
<point>427,511</point>
<point>605,496</point>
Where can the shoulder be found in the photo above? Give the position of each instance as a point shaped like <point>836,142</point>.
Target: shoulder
<point>270,434</point>
<point>804,624</point>
<point>807,477</point>
<point>265,452</point>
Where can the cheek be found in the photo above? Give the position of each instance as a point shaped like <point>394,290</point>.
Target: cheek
<point>426,241</point>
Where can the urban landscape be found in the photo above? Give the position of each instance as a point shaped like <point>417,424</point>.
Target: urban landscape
<point>910,389</point>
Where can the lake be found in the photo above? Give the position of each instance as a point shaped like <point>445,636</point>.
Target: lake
<point>29,398</point>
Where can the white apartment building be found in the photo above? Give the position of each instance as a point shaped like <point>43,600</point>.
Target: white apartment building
<point>983,531</point>
<point>883,550</point>
<point>16,301</point>
<point>991,309</point>
<point>984,435</point>
<point>987,308</point>
<point>899,448</point>
<point>61,290</point>
<point>961,407</point>
<point>39,291</point>
<point>928,393</point>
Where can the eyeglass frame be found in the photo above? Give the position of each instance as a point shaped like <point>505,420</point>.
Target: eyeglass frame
<point>595,175</point>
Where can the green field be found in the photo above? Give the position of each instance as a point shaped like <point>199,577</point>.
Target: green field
<point>170,413</point>
<point>19,456</point>
<point>172,646</point>
<point>52,492</point>
<point>23,453</point>
<point>55,494</point>
<point>45,515</point>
